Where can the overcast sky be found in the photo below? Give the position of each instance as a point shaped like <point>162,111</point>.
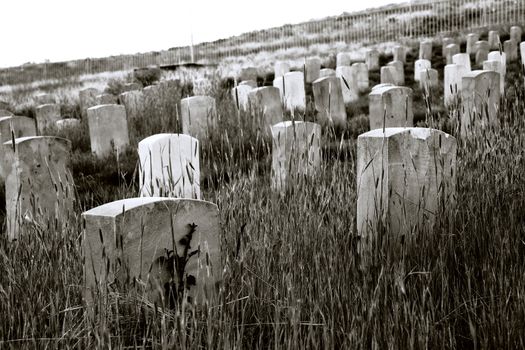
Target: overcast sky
<point>58,30</point>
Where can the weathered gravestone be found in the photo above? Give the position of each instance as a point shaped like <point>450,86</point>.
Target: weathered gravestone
<point>372,59</point>
<point>133,102</point>
<point>16,127</point>
<point>406,182</point>
<point>240,96</point>
<point>343,59</point>
<point>510,47</point>
<point>462,59</point>
<point>326,72</point>
<point>444,43</point>
<point>454,73</point>
<point>46,117</point>
<point>44,99</point>
<point>480,98</point>
<point>5,113</point>
<point>329,103</point>
<point>522,53</point>
<point>87,99</point>
<point>291,87</point>
<point>451,50</point>
<point>281,68</point>
<point>106,99</point>
<point>388,75</point>
<point>169,166</point>
<point>163,249</point>
<point>349,85</point>
<point>312,67</point>
<point>266,106</point>
<point>419,65</point>
<point>429,79</point>
<point>248,73</point>
<point>515,34</point>
<point>108,129</point>
<point>472,39</point>
<point>399,75</point>
<point>482,51</point>
<point>250,83</point>
<point>361,71</point>
<point>39,187</point>
<point>494,40</point>
<point>399,53</point>
<point>499,56</point>
<point>295,152</point>
<point>199,116</point>
<point>390,106</point>
<point>495,66</point>
<point>68,124</point>
<point>425,50</point>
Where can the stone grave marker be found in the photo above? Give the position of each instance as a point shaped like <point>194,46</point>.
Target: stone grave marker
<point>248,73</point>
<point>399,53</point>
<point>46,117</point>
<point>199,116</point>
<point>390,106</point>
<point>399,76</point>
<point>312,69</point>
<point>425,50</point>
<point>462,59</point>
<point>329,102</point>
<point>240,96</point>
<point>19,126</point>
<point>388,75</point>
<point>108,129</point>
<point>510,47</point>
<point>444,43</point>
<point>361,70</point>
<point>106,99</point>
<point>280,69</point>
<point>419,65</point>
<point>472,39</point>
<point>349,86</point>
<point>343,59</point>
<point>326,72</point>
<point>515,34</point>
<point>68,124</point>
<point>482,51</point>
<point>372,59</point>
<point>451,50</point>
<point>495,66</point>
<point>266,106</point>
<point>133,102</point>
<point>494,40</point>
<point>429,79</point>
<point>44,99</point>
<point>87,98</point>
<point>291,86</point>
<point>497,56</point>
<point>454,74</point>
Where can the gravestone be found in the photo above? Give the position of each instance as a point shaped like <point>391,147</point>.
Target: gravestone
<point>199,116</point>
<point>462,59</point>
<point>515,34</point>
<point>419,65</point>
<point>108,129</point>
<point>495,66</point>
<point>388,75</point>
<point>133,102</point>
<point>295,152</point>
<point>472,39</point>
<point>480,98</point>
<point>39,188</point>
<point>451,50</point>
<point>326,72</point>
<point>329,102</point>
<point>497,56</point>
<point>349,86</point>
<point>291,87</point>
<point>482,51</point>
<point>425,50</point>
<point>87,99</point>
<point>251,83</point>
<point>399,76</point>
<point>444,43</point>
<point>68,124</point>
<point>106,99</point>
<point>5,113</point>
<point>379,86</point>
<point>522,53</point>
<point>399,53</point>
<point>281,68</point>
<point>17,127</point>
<point>312,67</point>
<point>429,79</point>
<point>266,106</point>
<point>390,106</point>
<point>343,59</point>
<point>361,70</point>
<point>139,238</point>
<point>454,74</point>
<point>406,182</point>
<point>46,117</point>
<point>248,73</point>
<point>240,96</point>
<point>169,166</point>
<point>510,47</point>
<point>44,99</point>
<point>494,40</point>
<point>372,59</point>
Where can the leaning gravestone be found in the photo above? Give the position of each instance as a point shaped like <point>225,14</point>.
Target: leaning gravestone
<point>399,53</point>
<point>349,86</point>
<point>495,66</point>
<point>199,116</point>
<point>343,59</point>
<point>291,86</point>
<point>425,50</point>
<point>387,75</point>
<point>44,99</point>
<point>240,96</point>
<point>295,152</point>
<point>39,186</point>
<point>515,34</point>
<point>87,98</point>
<point>462,59</point>
<point>169,166</point>
<point>326,72</point>
<point>406,177</point>
<point>108,129</point>
<point>280,69</point>
<point>372,59</point>
<point>171,246</point>
<point>46,117</point>
<point>266,106</point>
<point>494,40</point>
<point>361,71</point>
<point>472,39</point>
<point>451,50</point>
<point>399,76</point>
<point>454,73</point>
<point>390,106</point>
<point>312,67</point>
<point>329,103</point>
<point>510,47</point>
<point>420,65</point>
<point>480,99</point>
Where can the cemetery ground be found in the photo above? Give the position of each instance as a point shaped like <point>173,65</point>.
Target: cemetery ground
<point>292,276</point>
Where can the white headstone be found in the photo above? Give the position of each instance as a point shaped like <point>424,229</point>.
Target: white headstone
<point>46,117</point>
<point>326,72</point>
<point>87,98</point>
<point>462,59</point>
<point>399,53</point>
<point>451,50</point>
<point>453,76</point>
<point>472,39</point>
<point>329,102</point>
<point>291,86</point>
<point>240,96</point>
<point>425,50</point>
<point>349,86</point>
<point>510,47</point>
<point>399,76</point>
<point>390,106</point>
<point>199,116</point>
<point>343,59</point>
<point>372,59</point>
<point>419,65</point>
<point>281,68</point>
<point>495,66</point>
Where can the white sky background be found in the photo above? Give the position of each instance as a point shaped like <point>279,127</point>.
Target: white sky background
<point>59,30</point>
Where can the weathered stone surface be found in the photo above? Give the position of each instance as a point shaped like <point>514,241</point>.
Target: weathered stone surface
<point>137,239</point>
<point>295,152</point>
<point>399,53</point>
<point>87,99</point>
<point>462,59</point>
<point>169,166</point>
<point>399,76</point>
<point>251,83</point>
<point>495,66</point>
<point>494,40</point>
<point>17,127</point>
<point>199,116</point>
<point>510,47</point>
<point>419,65</point>
<point>46,117</point>
<point>291,86</point>
<point>133,102</point>
<point>454,74</point>
<point>349,86</point>
<point>429,79</point>
<point>451,50</point>
<point>44,99</point>
<point>343,59</point>
<point>444,43</point>
<point>248,73</point>
<point>480,98</point>
<point>372,59</point>
<point>515,34</point>
<point>497,56</point>
<point>39,187</point>
<point>472,39</point>
<point>406,182</point>
<point>266,106</point>
<point>68,124</point>
<point>312,68</point>
<point>108,129</point>
<point>106,99</point>
<point>5,113</point>
<point>361,71</point>
<point>329,102</point>
<point>281,68</point>
<point>425,50</point>
<point>388,74</point>
<point>240,96</point>
<point>379,86</point>
<point>326,72</point>
<point>522,53</point>
<point>482,51</point>
<point>390,106</point>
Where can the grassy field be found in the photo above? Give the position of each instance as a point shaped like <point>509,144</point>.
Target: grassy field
<point>292,276</point>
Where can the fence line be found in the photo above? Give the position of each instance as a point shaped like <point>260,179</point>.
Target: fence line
<point>408,20</point>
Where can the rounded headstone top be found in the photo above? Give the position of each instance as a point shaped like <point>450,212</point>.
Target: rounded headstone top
<point>163,136</point>
<point>415,132</point>
<point>379,90</point>
<point>476,73</point>
<point>111,105</point>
